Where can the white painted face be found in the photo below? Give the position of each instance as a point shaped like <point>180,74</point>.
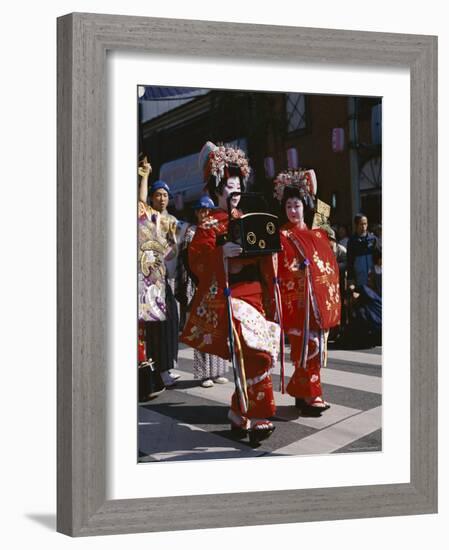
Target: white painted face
<point>232,186</point>
<point>294,209</point>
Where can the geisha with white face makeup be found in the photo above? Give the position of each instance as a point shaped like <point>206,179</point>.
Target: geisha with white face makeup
<point>232,185</point>
<point>294,210</point>
<point>228,301</point>
<point>225,189</point>
<point>309,293</point>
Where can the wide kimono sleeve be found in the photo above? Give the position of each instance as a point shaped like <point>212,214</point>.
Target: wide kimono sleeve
<point>151,266</point>
<point>207,328</point>
<point>203,251</point>
<point>325,278</point>
<point>292,284</point>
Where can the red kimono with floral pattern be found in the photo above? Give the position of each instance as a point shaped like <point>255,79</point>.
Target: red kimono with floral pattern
<point>309,282</point>
<point>207,325</point>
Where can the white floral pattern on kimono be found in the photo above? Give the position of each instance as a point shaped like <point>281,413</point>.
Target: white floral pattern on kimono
<point>151,300</point>
<point>257,332</point>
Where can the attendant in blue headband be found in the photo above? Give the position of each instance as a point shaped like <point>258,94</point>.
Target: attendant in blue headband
<point>158,249</point>
<point>159,195</point>
<point>209,369</point>
<point>203,202</point>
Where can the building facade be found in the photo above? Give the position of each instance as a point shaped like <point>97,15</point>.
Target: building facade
<point>340,137</point>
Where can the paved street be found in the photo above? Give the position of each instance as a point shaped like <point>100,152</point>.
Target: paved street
<point>190,422</point>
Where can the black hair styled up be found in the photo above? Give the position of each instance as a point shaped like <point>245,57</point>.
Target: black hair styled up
<point>293,192</point>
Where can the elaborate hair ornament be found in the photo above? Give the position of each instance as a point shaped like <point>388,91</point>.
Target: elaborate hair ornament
<point>304,180</point>
<point>214,159</point>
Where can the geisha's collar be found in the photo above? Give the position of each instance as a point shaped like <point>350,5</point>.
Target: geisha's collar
<point>297,226</point>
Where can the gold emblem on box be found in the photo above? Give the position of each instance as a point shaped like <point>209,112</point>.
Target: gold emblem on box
<point>251,237</point>
<point>271,228</point>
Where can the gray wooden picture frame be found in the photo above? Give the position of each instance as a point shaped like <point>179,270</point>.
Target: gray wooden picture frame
<point>83,41</point>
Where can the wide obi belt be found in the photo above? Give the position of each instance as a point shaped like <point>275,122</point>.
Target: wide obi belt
<point>257,332</point>
<point>250,292</point>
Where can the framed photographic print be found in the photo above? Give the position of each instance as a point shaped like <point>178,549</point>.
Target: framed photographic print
<point>181,324</point>
<point>331,123</point>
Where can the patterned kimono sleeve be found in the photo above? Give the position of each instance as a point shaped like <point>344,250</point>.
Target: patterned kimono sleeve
<point>141,210</point>
<point>286,258</point>
<point>203,251</point>
<point>291,284</point>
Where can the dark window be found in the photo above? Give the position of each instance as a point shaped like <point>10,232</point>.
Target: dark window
<point>296,112</point>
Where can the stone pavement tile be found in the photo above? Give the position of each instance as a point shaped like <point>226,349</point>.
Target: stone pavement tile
<point>360,368</point>
<point>164,438</point>
<point>211,416</point>
<point>221,393</point>
<point>335,437</point>
<point>340,395</point>
<point>352,356</point>
<point>368,443</point>
<point>353,422</point>
<point>377,350</point>
<point>353,380</point>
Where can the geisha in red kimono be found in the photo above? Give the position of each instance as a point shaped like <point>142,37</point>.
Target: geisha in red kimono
<point>227,283</point>
<point>309,282</point>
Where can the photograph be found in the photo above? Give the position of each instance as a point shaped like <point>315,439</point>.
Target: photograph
<point>259,277</point>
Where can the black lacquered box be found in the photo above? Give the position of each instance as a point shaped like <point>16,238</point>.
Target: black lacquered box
<point>256,232</point>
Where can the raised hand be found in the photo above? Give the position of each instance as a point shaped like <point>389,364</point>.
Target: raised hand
<point>144,168</point>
